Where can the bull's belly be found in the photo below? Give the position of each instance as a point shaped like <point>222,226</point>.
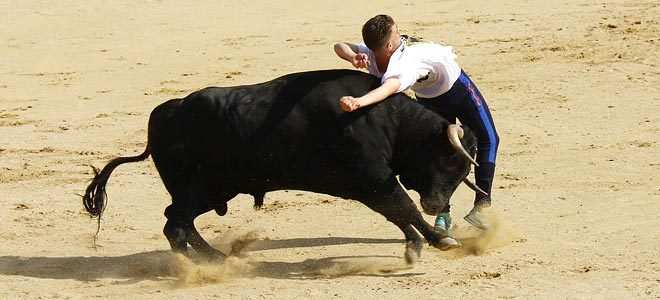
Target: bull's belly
<point>335,183</point>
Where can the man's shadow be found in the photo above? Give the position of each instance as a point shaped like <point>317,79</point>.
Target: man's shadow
<point>162,265</point>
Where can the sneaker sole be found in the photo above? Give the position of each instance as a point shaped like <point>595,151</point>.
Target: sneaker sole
<point>445,247</point>
<point>475,223</point>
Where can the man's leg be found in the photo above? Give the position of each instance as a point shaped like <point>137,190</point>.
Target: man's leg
<point>476,115</point>
<point>446,106</point>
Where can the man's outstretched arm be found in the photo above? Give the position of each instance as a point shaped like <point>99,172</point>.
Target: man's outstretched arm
<point>389,87</point>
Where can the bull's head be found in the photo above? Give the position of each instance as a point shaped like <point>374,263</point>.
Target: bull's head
<point>441,168</point>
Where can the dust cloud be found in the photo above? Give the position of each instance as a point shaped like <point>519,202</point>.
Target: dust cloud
<point>478,242</point>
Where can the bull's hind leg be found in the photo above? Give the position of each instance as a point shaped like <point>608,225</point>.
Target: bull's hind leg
<point>200,245</point>
<point>180,235</point>
<point>202,197</point>
<point>190,198</point>
<point>180,231</point>
<point>177,236</point>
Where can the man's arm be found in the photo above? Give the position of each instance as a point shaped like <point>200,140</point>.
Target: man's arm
<point>389,87</point>
<point>350,53</point>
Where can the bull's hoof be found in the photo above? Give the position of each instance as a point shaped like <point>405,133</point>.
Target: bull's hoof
<point>413,251</point>
<point>215,259</point>
<point>212,255</point>
<point>221,210</point>
<point>182,250</point>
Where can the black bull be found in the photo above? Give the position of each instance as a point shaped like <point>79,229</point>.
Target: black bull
<point>290,133</point>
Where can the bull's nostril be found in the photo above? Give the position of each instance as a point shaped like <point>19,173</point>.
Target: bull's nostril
<point>429,207</point>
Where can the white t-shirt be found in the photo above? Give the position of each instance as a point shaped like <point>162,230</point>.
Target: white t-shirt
<point>410,63</point>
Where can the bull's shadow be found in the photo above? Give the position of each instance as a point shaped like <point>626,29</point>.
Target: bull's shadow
<point>158,265</point>
<point>317,242</point>
<point>133,268</point>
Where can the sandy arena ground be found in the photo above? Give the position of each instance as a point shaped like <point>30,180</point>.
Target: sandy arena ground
<point>574,88</point>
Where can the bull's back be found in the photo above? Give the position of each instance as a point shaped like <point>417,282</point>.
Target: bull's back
<point>291,107</point>
<point>290,126</point>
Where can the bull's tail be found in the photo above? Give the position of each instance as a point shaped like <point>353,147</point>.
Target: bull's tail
<point>95,197</point>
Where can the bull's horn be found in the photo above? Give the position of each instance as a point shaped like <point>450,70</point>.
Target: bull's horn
<point>455,133</point>
<point>474,187</point>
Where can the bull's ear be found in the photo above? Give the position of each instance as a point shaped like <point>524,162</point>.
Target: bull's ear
<point>469,140</point>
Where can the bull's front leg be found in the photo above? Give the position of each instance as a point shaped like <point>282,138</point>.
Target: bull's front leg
<point>414,244</point>
<point>391,201</point>
<point>430,234</point>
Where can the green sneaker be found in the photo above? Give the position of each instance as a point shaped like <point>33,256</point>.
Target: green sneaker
<point>442,222</point>
<point>442,225</point>
<point>477,218</point>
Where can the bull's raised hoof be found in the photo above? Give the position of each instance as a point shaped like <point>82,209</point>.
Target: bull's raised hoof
<point>290,133</point>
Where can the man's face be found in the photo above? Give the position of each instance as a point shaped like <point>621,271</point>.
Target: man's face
<point>393,42</point>
<point>395,39</point>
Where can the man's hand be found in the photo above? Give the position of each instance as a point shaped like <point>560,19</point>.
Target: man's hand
<point>349,103</point>
<point>360,61</point>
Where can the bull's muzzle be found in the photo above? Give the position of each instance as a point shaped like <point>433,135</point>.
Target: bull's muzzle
<point>433,205</point>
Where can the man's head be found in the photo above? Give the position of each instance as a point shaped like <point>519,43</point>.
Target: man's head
<point>381,35</point>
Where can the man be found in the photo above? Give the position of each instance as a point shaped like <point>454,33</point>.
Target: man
<point>432,72</point>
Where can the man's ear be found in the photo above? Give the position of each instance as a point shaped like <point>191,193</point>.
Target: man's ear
<point>390,46</point>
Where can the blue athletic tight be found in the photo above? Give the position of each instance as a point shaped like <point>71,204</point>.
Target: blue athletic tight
<point>465,102</point>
